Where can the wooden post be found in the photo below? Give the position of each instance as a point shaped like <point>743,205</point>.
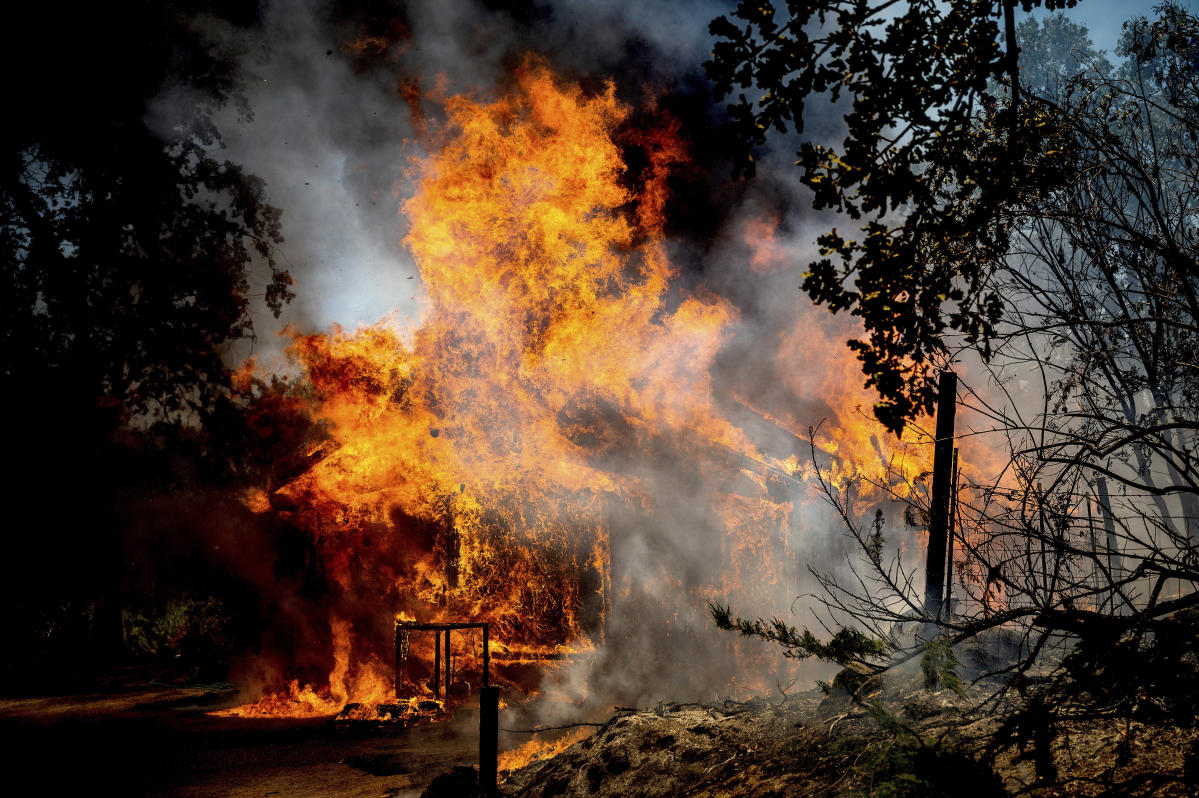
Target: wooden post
<point>1115,562</point>
<point>938,516</point>
<point>448,665</point>
<point>489,732</point>
<point>486,659</point>
<point>1013,68</point>
<point>953,522</point>
<point>436,664</point>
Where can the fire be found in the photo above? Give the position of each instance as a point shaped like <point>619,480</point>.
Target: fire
<point>548,343</point>
<point>474,458</point>
<point>535,750</point>
<point>767,253</point>
<point>296,702</point>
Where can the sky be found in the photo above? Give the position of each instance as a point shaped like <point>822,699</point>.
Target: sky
<point>1105,18</point>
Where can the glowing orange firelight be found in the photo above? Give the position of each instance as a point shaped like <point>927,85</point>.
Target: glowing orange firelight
<point>468,474</point>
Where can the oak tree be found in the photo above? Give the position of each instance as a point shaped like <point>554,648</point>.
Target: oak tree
<point>923,188</point>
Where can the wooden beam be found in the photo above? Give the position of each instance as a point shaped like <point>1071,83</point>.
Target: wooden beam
<point>437,664</point>
<point>953,522</point>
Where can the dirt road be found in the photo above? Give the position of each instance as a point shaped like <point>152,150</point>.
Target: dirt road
<point>153,740</point>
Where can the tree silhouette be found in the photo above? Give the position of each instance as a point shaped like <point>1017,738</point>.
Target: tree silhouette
<point>924,189</point>
<point>128,248</point>
<point>1076,559</point>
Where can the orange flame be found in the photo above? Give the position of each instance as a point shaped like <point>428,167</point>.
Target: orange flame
<point>471,461</point>
<point>536,749</point>
<point>548,342</point>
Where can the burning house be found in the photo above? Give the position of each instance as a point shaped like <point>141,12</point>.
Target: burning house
<point>544,451</point>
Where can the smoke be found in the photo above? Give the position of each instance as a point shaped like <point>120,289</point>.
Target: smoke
<point>335,121</point>
<point>340,100</point>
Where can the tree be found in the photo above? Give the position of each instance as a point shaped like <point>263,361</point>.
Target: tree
<point>1082,553</point>
<point>924,189</point>
<point>1104,288</point>
<point>1052,51</point>
<point>127,246</point>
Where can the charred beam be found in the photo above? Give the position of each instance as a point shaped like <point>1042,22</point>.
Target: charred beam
<point>448,665</point>
<point>486,660</point>
<point>402,645</point>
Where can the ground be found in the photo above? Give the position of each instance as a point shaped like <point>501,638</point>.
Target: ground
<point>135,737</point>
<point>131,737</point>
<point>809,745</point>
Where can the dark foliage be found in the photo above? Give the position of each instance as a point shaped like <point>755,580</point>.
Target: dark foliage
<point>129,249</point>
<point>926,191</point>
<point>1077,557</point>
<point>905,765</point>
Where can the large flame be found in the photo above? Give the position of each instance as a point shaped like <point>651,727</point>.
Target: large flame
<point>473,459</point>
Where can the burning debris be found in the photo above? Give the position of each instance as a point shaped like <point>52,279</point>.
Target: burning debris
<point>391,716</point>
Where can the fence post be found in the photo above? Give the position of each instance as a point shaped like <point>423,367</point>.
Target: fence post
<point>953,525</point>
<point>489,732</point>
<point>1115,562</point>
<point>938,515</point>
